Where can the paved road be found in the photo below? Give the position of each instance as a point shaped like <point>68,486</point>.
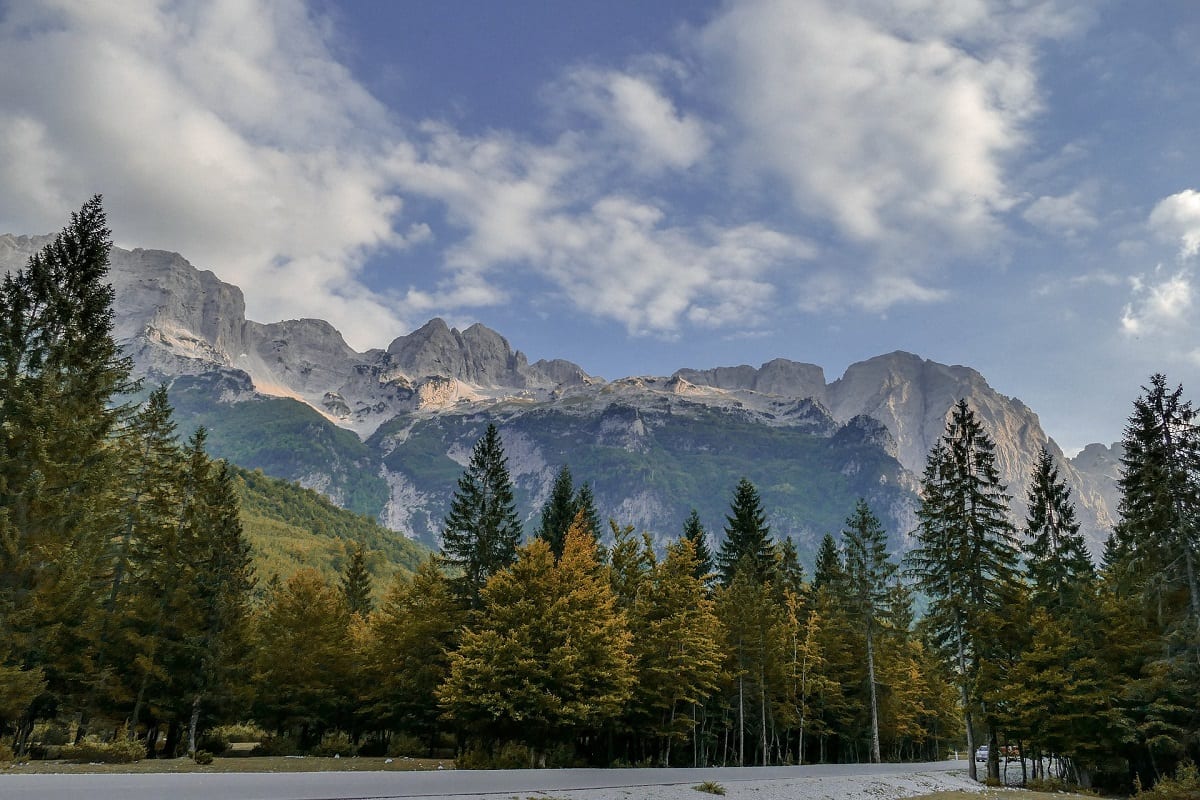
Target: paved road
<point>386,785</point>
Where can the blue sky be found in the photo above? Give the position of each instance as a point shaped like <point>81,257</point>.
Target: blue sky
<point>639,187</point>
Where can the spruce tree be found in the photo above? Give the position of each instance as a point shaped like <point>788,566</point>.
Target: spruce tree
<point>585,503</point>
<point>356,582</point>
<point>61,376</point>
<point>828,570</point>
<point>1055,554</point>
<point>747,535</point>
<point>965,557</point>
<point>558,511</point>
<point>1155,545</point>
<point>481,533</point>
<point>694,532</point>
<point>869,572</point>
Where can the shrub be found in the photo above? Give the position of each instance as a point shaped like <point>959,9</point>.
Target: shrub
<point>203,757</point>
<point>6,753</point>
<point>336,743</point>
<point>118,751</point>
<point>511,755</point>
<point>240,732</point>
<point>405,744</point>
<point>710,787</point>
<point>213,742</point>
<point>1185,785</point>
<point>277,746</point>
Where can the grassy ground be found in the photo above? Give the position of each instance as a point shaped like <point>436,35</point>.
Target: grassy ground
<point>244,764</point>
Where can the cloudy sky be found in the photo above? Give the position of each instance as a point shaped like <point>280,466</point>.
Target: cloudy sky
<point>642,186</point>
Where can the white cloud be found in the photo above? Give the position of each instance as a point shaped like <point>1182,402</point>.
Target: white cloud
<point>608,253</point>
<point>879,116</point>
<point>1178,218</point>
<point>1066,214</point>
<point>225,131</point>
<point>1158,302</point>
<point>636,116</point>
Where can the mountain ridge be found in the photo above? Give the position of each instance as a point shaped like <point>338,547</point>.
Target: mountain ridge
<point>179,322</point>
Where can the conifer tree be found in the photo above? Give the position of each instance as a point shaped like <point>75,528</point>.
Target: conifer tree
<point>558,511</point>
<point>356,582</point>
<point>1155,544</point>
<point>746,535</point>
<point>828,570</point>
<point>1055,554</point>
<point>694,532</point>
<point>585,503</point>
<point>481,533</point>
<point>964,560</point>
<point>790,572</point>
<point>869,572</point>
<point>61,375</point>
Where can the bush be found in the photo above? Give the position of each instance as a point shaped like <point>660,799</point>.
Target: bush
<point>213,742</point>
<point>118,751</point>
<point>1185,785</point>
<point>53,733</point>
<point>203,757</point>
<point>277,746</point>
<point>710,787</point>
<point>6,753</point>
<point>240,732</point>
<point>510,756</point>
<point>336,743</point>
<point>406,745</point>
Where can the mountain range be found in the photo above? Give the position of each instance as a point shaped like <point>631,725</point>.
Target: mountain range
<point>387,432</point>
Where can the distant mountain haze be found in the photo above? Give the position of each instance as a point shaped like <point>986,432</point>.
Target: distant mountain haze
<point>285,397</point>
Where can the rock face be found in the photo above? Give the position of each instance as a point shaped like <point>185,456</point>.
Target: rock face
<point>416,404</point>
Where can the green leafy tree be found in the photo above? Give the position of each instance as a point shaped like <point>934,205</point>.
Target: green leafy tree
<point>869,573</point>
<point>303,671</point>
<point>747,535</point>
<point>356,582</point>
<point>548,656</point>
<point>676,648</point>
<point>482,530</point>
<point>965,556</point>
<point>408,653</point>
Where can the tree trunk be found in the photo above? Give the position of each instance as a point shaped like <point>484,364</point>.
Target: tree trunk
<point>191,746</point>
<point>875,756</point>
<point>741,722</point>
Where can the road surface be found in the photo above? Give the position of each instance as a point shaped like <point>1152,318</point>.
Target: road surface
<point>498,784</point>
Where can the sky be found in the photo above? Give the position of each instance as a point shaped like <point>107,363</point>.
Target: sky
<point>639,187</point>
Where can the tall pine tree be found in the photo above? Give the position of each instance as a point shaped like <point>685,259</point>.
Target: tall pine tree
<point>482,530</point>
<point>965,557</point>
<point>1055,554</point>
<point>747,536</point>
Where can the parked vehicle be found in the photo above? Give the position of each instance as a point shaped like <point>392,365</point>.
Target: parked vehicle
<point>981,753</point>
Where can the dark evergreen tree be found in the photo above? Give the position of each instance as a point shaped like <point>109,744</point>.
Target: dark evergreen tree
<point>790,572</point>
<point>694,532</point>
<point>558,511</point>
<point>585,503</point>
<point>747,535</point>
<point>965,557</point>
<point>356,582</point>
<point>1055,554</point>
<point>828,570</point>
<point>869,573</point>
<point>1156,543</point>
<point>219,610</point>
<point>481,533</point>
<point>61,375</point>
